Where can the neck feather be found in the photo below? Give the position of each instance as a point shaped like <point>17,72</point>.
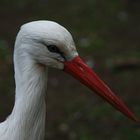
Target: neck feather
<point>27,120</point>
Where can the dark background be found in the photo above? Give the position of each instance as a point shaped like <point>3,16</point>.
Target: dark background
<point>106,33</point>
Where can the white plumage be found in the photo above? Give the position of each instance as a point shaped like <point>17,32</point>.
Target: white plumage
<point>31,59</point>
<point>39,45</point>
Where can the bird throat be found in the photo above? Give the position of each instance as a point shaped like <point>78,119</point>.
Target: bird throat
<point>29,112</point>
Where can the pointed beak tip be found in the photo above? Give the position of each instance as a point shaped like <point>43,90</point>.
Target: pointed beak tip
<point>136,119</point>
<point>132,117</point>
<point>79,70</point>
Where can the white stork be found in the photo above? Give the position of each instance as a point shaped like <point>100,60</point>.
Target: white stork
<point>40,45</point>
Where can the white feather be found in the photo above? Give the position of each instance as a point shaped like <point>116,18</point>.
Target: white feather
<point>31,61</point>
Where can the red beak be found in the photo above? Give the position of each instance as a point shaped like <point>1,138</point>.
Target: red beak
<point>78,69</point>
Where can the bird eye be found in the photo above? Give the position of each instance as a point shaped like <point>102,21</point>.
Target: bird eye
<point>53,48</point>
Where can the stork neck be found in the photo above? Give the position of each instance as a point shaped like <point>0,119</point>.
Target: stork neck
<point>28,116</point>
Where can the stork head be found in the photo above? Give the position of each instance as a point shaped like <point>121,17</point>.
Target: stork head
<point>51,45</point>
<point>47,43</point>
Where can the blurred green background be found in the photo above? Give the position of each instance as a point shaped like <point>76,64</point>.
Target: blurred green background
<point>106,33</point>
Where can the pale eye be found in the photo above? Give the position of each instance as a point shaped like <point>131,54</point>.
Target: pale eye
<point>53,48</point>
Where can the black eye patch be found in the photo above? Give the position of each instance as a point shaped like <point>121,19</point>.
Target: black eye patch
<point>55,49</point>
